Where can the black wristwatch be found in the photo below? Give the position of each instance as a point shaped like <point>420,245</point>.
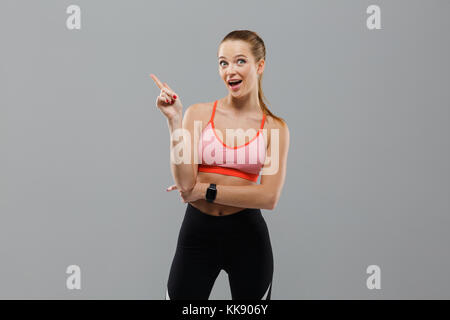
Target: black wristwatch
<point>211,193</point>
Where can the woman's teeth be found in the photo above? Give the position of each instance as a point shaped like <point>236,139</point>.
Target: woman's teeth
<point>235,85</point>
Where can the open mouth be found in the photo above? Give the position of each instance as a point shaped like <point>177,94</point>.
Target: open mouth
<point>235,84</point>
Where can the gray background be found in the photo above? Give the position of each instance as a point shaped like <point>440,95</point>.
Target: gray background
<point>85,152</point>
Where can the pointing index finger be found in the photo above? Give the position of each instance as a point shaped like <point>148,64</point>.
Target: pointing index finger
<point>167,86</point>
<point>158,83</point>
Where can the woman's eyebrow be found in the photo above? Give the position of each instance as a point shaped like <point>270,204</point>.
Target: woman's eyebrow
<point>238,55</point>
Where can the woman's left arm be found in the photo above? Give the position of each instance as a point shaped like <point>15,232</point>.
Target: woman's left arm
<point>264,195</point>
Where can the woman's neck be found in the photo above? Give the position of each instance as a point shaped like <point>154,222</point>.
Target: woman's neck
<point>245,104</point>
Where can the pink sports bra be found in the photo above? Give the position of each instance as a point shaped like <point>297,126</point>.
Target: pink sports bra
<point>243,161</point>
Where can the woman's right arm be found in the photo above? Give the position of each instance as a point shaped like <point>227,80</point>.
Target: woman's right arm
<point>183,168</point>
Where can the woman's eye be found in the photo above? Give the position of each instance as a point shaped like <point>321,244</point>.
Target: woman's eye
<point>220,63</point>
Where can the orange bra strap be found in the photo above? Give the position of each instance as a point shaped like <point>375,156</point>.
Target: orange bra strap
<point>262,122</point>
<point>213,112</point>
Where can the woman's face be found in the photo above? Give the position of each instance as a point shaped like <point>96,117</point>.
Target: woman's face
<point>236,62</point>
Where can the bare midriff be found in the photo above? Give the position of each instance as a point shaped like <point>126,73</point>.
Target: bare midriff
<point>216,209</point>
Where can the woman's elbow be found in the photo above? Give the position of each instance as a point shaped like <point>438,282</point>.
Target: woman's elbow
<point>187,184</point>
<point>272,202</point>
<point>186,187</point>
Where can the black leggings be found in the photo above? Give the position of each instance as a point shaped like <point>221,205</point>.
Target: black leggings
<point>238,243</point>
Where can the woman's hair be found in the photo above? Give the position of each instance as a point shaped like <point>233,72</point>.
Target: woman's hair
<point>258,50</point>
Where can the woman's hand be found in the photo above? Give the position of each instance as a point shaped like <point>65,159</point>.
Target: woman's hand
<point>196,193</point>
<point>168,101</point>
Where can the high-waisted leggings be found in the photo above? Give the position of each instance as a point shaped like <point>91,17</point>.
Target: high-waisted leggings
<point>238,243</point>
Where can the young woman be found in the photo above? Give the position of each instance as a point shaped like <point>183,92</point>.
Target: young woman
<point>223,228</point>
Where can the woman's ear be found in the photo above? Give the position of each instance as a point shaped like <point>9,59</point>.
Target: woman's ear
<point>261,66</point>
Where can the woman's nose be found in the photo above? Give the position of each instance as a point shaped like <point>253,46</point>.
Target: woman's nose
<point>230,72</point>
<point>231,68</point>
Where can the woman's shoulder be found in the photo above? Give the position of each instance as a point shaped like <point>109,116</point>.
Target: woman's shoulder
<point>280,126</point>
<point>275,123</point>
<point>200,107</point>
<point>200,111</point>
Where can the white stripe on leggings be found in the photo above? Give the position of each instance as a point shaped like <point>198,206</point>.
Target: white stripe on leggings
<point>265,295</point>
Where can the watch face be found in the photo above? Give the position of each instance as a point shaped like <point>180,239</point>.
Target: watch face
<point>210,193</point>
